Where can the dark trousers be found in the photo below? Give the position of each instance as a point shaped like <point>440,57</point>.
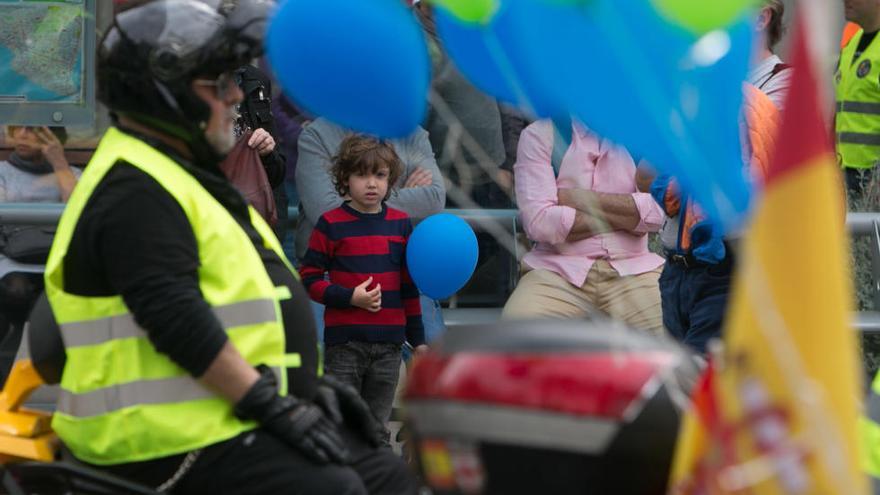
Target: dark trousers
<point>694,300</point>
<point>258,463</point>
<point>372,368</point>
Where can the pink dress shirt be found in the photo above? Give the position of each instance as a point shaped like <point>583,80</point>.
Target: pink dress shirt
<point>589,163</point>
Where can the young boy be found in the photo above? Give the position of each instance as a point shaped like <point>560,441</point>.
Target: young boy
<point>372,306</point>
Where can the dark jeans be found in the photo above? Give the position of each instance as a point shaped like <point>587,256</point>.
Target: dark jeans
<point>372,368</point>
<point>257,463</point>
<point>694,300</point>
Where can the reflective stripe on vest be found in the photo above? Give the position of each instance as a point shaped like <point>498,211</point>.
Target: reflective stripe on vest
<point>858,138</point>
<point>857,123</point>
<point>93,332</point>
<point>858,107</point>
<point>123,401</point>
<point>110,399</point>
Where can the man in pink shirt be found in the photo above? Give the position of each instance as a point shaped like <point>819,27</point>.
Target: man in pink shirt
<point>590,225</point>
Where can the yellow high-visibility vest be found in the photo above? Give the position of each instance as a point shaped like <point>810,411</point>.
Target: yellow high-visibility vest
<point>121,400</point>
<point>857,122</point>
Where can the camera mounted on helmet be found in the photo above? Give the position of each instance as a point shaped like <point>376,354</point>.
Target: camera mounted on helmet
<point>153,51</point>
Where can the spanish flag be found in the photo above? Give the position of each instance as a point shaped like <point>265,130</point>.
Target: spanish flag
<point>777,409</point>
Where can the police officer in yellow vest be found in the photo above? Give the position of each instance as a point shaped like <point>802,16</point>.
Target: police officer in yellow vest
<point>857,83</point>
<point>191,354</point>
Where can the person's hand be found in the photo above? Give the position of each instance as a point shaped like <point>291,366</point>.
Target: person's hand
<point>51,147</point>
<point>418,178</point>
<point>645,175</point>
<point>504,178</point>
<point>262,141</point>
<point>342,403</point>
<point>371,300</point>
<point>420,350</point>
<point>568,197</point>
<point>565,197</point>
<point>300,424</point>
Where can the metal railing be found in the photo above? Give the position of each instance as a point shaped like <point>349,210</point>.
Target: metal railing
<point>868,225</point>
<point>859,224</point>
<point>49,213</point>
<point>502,224</point>
<point>30,213</point>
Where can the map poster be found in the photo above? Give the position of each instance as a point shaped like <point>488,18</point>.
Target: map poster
<point>41,51</point>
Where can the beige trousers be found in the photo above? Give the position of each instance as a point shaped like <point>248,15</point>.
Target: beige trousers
<point>634,299</point>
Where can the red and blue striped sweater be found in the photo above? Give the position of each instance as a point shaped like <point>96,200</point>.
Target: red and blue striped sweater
<point>352,246</point>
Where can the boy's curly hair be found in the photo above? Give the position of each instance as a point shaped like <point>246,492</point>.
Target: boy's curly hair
<point>363,154</point>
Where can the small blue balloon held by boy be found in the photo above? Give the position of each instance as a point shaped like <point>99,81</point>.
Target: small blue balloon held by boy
<point>356,267</point>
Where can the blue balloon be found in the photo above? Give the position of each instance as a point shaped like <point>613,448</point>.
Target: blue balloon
<point>441,255</point>
<point>361,64</point>
<point>481,53</point>
<point>653,87</point>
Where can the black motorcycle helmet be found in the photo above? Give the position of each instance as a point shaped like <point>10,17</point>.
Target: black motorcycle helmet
<point>153,51</point>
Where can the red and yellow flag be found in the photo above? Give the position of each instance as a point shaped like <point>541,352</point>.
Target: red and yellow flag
<point>777,413</point>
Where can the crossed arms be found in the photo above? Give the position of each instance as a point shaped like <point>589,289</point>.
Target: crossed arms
<point>555,215</point>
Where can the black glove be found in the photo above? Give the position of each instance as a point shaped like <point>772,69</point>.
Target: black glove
<point>341,402</point>
<point>299,423</point>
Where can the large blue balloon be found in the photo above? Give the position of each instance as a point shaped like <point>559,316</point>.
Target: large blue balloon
<point>481,53</point>
<point>650,86</point>
<point>362,64</point>
<point>441,255</point>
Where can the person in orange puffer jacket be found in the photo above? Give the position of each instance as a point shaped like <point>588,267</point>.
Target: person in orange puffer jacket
<point>762,121</point>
